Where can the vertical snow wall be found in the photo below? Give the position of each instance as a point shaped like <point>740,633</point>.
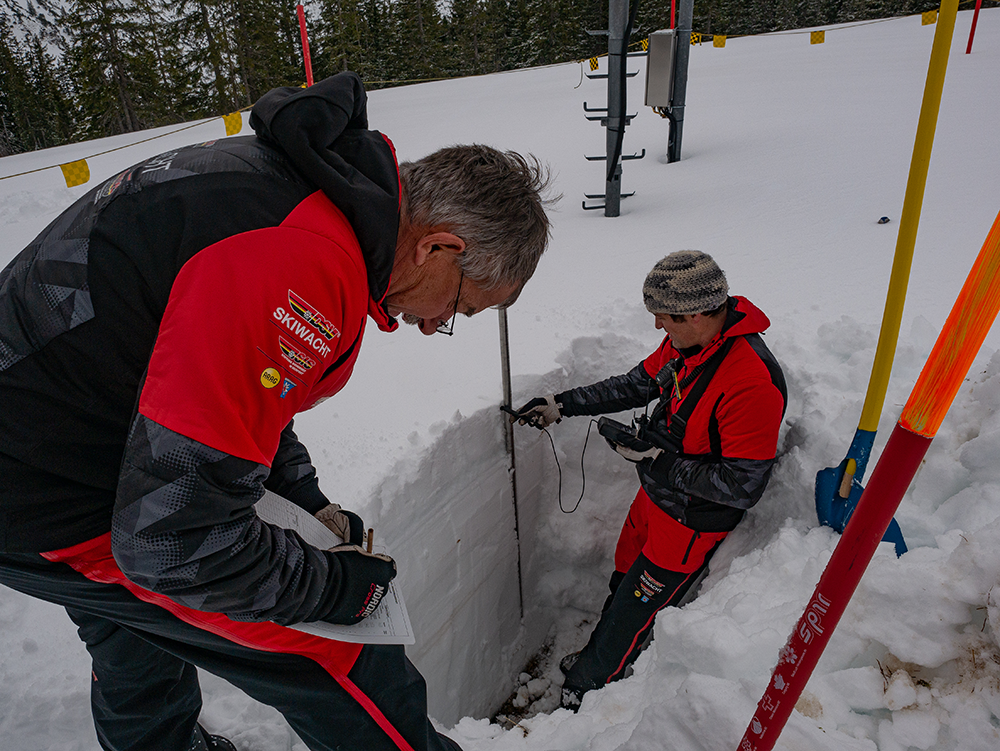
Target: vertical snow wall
<point>447,514</point>
<point>451,530</point>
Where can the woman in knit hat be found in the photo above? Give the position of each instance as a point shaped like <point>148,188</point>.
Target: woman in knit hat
<point>703,454</point>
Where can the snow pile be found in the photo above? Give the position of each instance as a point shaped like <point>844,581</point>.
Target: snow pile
<point>791,153</point>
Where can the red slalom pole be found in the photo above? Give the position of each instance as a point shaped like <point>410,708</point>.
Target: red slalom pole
<point>798,658</point>
<point>970,320</point>
<point>972,31</point>
<point>305,44</point>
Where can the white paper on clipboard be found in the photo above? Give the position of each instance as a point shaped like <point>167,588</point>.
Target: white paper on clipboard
<point>389,624</point>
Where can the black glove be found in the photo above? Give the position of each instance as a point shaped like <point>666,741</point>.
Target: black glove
<point>539,413</point>
<point>364,580</point>
<point>657,471</point>
<point>347,525</point>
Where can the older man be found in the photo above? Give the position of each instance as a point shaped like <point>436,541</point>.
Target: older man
<point>156,341</point>
<point>704,454</point>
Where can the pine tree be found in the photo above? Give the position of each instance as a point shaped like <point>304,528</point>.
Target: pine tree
<point>48,87</point>
<point>513,37</point>
<point>349,35</point>
<point>264,38</point>
<point>469,42</point>
<point>111,66</point>
<point>13,92</point>
<point>416,49</point>
<point>199,29</point>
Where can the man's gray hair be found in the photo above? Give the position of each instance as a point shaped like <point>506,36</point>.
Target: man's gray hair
<point>491,199</point>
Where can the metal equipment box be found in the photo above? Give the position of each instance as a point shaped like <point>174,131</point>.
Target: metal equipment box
<point>660,68</point>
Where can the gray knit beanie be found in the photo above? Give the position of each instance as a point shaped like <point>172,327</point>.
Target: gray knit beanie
<point>684,283</point>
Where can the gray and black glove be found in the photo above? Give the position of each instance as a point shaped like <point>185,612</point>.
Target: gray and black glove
<point>347,525</point>
<point>364,580</point>
<point>540,412</point>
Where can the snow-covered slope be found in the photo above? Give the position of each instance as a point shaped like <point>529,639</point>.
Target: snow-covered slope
<point>791,154</point>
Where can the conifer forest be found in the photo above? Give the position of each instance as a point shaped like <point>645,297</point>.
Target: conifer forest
<point>78,69</point>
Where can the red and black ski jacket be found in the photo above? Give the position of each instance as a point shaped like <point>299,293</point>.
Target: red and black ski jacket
<point>158,337</point>
<point>731,436</point>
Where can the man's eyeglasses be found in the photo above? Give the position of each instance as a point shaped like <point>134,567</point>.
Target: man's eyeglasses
<point>448,327</point>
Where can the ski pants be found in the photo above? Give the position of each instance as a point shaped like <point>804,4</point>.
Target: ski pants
<point>656,562</point>
<point>145,694</point>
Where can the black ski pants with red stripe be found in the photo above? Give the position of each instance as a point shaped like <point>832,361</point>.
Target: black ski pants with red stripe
<point>145,694</point>
<point>636,597</point>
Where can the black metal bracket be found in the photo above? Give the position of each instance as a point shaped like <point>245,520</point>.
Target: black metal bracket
<point>604,120</point>
<point>600,195</point>
<point>604,157</point>
<point>633,74</point>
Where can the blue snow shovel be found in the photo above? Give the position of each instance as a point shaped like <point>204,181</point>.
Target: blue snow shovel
<point>838,490</point>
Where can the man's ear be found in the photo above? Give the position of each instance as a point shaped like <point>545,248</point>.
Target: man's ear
<point>433,241</point>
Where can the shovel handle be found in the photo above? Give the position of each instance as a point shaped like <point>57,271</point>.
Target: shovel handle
<point>845,483</point>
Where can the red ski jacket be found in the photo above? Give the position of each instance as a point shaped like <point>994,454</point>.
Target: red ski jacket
<point>158,337</point>
<point>731,436</point>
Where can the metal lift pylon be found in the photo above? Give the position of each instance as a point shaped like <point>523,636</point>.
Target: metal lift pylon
<point>615,118</point>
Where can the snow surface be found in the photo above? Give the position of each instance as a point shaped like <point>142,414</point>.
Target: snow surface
<point>791,154</point>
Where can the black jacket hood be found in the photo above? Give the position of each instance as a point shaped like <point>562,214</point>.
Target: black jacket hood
<point>324,132</point>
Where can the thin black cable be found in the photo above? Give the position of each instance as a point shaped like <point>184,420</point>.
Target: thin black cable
<point>583,473</point>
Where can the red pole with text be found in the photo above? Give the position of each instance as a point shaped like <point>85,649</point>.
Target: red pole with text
<point>972,31</point>
<point>305,44</point>
<point>963,334</point>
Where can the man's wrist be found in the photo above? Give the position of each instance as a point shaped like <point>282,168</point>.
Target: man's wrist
<point>565,405</point>
<point>308,496</point>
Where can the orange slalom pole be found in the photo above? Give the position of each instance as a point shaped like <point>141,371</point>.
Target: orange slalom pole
<point>970,320</point>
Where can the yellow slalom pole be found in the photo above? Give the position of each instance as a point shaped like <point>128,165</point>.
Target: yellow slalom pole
<point>910,218</point>
<point>839,488</point>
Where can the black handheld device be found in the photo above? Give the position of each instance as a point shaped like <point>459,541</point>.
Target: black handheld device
<point>615,431</point>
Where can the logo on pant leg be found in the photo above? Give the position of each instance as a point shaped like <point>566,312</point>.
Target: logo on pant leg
<point>648,587</point>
